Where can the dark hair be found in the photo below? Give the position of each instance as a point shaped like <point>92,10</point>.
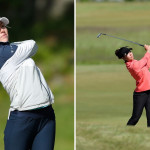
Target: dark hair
<point>121,52</point>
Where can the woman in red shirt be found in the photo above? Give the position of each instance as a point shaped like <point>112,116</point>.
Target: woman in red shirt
<point>139,70</point>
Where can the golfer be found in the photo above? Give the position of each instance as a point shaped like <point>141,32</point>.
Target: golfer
<point>139,70</point>
<point>31,120</point>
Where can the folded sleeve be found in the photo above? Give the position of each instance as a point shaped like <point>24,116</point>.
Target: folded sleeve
<point>148,63</point>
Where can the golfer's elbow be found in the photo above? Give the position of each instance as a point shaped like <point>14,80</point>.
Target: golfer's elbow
<point>32,43</point>
<point>34,47</point>
<point>30,47</point>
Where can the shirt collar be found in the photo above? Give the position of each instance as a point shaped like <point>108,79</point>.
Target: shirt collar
<point>128,63</point>
<point>4,43</point>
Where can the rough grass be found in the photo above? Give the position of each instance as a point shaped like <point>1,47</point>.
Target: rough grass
<point>104,105</point>
<point>100,136</point>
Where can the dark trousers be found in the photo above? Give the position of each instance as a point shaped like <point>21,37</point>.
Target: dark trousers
<point>30,130</point>
<point>140,100</point>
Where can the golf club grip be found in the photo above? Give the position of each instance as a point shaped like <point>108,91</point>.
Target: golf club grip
<point>141,45</point>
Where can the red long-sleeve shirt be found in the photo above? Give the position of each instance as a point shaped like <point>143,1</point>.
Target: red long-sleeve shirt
<point>139,70</point>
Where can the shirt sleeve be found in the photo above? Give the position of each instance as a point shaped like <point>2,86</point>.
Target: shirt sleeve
<point>148,63</point>
<point>26,49</point>
<point>144,62</point>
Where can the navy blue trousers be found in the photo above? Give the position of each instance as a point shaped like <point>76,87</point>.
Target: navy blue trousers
<point>30,130</point>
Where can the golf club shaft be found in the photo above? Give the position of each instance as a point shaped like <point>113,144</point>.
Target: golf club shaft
<point>119,38</point>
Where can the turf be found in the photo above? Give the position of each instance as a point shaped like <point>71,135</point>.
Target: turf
<point>104,105</point>
<point>104,86</point>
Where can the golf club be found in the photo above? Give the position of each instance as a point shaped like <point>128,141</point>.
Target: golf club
<point>119,38</point>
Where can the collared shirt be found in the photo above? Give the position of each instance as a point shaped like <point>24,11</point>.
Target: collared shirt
<point>6,51</point>
<point>139,70</point>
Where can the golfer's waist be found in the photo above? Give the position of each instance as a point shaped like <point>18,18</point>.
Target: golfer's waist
<point>36,113</point>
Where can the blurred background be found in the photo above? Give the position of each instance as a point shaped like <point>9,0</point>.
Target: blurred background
<point>104,86</point>
<point>51,24</point>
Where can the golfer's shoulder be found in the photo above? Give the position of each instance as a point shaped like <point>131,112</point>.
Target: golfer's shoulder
<point>129,63</point>
<point>24,42</point>
<point>132,64</point>
<point>147,54</point>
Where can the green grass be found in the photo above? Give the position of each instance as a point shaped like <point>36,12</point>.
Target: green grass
<point>113,14</point>
<point>104,86</point>
<point>125,20</point>
<point>104,105</point>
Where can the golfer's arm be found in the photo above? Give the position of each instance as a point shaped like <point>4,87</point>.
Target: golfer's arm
<point>142,62</point>
<point>25,50</point>
<point>147,48</point>
<point>148,64</point>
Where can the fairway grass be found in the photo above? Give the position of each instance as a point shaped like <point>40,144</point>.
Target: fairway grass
<point>125,20</point>
<point>104,105</point>
<point>105,14</point>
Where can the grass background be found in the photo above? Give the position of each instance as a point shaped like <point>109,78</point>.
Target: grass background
<point>125,20</point>
<point>104,86</point>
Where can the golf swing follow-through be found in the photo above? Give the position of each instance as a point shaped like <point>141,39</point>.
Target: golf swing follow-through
<point>31,121</point>
<point>139,70</point>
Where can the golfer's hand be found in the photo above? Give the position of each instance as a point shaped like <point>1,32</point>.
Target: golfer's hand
<point>147,48</point>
